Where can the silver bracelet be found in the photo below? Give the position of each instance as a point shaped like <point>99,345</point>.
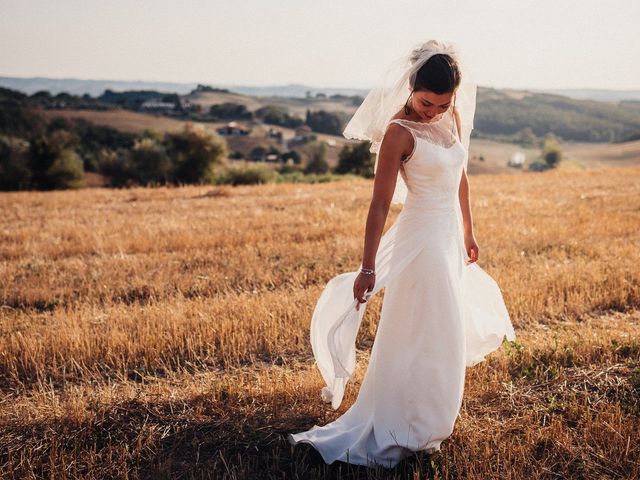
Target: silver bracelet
<point>367,271</point>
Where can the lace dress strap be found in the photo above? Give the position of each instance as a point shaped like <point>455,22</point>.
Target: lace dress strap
<point>438,133</point>
<point>413,134</point>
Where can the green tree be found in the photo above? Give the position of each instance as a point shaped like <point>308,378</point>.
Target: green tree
<point>116,165</point>
<point>276,115</point>
<point>150,161</point>
<point>551,151</point>
<point>230,110</point>
<point>258,153</point>
<point>15,119</point>
<point>91,138</point>
<point>356,159</point>
<point>294,155</point>
<point>44,150</point>
<point>195,154</point>
<point>66,171</point>
<point>153,133</point>
<point>326,122</point>
<point>317,158</point>
<point>14,164</point>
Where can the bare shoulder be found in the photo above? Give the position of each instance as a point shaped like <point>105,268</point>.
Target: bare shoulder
<point>397,139</point>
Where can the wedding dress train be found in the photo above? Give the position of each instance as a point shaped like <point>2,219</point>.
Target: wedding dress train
<point>439,316</point>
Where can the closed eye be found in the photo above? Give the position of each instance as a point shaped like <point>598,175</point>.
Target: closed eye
<point>441,106</point>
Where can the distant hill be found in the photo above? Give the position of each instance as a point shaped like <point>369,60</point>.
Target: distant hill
<point>295,90</point>
<point>510,115</point>
<point>601,95</point>
<point>31,85</point>
<point>95,88</point>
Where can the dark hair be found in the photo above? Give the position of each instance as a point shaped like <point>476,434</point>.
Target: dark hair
<point>440,74</point>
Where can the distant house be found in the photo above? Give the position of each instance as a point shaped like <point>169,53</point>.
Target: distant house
<point>154,105</point>
<point>516,160</point>
<point>187,106</point>
<point>233,129</point>
<point>277,134</point>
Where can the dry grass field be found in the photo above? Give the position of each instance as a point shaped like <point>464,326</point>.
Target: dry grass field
<point>123,120</point>
<point>164,333</point>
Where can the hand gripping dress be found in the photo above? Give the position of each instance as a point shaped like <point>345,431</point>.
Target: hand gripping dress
<point>439,315</point>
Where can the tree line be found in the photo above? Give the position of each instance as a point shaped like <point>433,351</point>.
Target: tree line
<point>41,154</point>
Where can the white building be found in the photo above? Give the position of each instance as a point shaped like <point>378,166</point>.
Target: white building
<point>516,160</point>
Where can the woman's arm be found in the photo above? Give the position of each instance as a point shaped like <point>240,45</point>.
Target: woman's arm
<point>384,184</point>
<point>397,142</point>
<point>463,190</point>
<point>465,205</point>
<point>393,147</point>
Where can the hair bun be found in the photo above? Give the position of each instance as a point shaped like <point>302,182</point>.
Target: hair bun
<point>431,47</point>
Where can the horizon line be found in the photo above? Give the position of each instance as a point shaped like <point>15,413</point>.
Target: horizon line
<point>219,85</point>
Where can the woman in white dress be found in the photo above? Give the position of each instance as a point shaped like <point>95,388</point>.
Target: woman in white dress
<point>441,312</point>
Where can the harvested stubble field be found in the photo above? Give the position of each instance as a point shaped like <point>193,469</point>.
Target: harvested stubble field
<point>164,333</point>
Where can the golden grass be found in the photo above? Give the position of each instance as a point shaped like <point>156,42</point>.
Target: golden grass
<point>123,120</point>
<point>163,333</point>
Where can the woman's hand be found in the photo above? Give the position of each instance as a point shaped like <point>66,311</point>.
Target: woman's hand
<point>363,283</point>
<point>471,247</point>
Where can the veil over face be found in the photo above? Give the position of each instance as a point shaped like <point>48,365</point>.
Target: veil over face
<point>390,93</point>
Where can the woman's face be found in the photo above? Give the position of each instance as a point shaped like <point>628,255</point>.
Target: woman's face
<point>430,106</point>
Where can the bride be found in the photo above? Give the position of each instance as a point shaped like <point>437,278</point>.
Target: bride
<point>441,311</point>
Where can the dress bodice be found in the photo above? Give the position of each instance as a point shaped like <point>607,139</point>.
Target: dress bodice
<point>432,171</point>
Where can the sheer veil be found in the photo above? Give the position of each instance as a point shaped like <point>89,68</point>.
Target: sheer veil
<point>390,93</point>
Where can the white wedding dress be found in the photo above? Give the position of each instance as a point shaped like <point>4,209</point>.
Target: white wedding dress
<point>439,315</point>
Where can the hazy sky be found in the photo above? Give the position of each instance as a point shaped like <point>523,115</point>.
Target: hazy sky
<point>514,43</point>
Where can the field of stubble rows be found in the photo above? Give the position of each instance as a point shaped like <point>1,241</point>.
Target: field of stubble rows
<point>164,333</point>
